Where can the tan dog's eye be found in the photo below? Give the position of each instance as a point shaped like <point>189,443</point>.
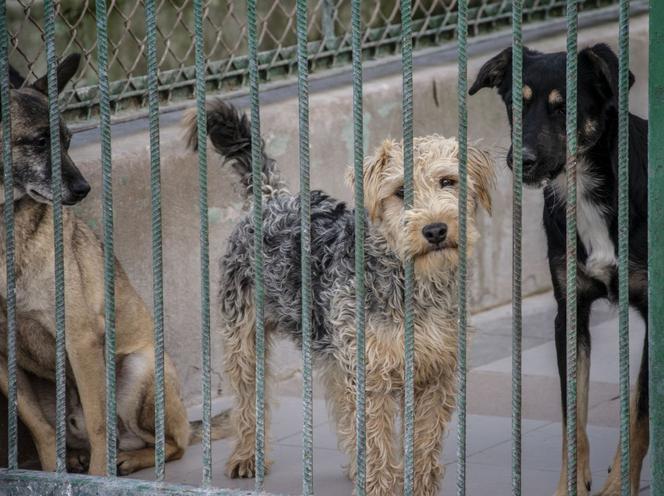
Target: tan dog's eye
<point>399,193</point>
<point>447,182</point>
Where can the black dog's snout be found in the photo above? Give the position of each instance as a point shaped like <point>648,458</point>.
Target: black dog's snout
<point>529,159</point>
<point>435,233</point>
<point>80,189</point>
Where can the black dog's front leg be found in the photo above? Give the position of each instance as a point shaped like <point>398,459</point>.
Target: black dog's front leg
<point>583,374</point>
<point>639,428</point>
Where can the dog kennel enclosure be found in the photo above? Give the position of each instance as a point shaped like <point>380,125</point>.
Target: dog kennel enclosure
<point>319,43</point>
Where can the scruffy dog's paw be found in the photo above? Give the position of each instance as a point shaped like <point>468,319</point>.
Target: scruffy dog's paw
<point>243,467</point>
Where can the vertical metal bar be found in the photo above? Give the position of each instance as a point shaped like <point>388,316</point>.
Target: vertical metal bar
<point>462,90</point>
<point>623,242</point>
<point>8,210</point>
<point>409,332</point>
<point>305,249</point>
<point>517,218</point>
<point>571,102</point>
<point>360,290</point>
<point>107,216</point>
<point>656,244</point>
<point>157,257</point>
<point>257,185</point>
<point>56,185</point>
<point>201,121</point>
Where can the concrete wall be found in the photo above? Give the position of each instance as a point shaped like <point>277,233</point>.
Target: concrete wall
<point>331,151</point>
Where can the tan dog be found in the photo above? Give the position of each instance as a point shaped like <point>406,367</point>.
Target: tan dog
<point>84,296</point>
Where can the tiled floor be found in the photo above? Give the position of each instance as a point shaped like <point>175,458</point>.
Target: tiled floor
<point>489,423</point>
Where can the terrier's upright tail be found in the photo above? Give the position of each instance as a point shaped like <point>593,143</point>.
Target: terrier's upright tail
<point>230,133</point>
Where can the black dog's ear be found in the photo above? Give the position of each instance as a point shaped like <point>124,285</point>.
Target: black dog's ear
<point>603,63</point>
<point>66,70</point>
<point>493,72</point>
<point>15,79</point>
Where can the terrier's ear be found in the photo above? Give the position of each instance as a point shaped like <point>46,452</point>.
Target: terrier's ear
<point>373,177</point>
<point>481,171</point>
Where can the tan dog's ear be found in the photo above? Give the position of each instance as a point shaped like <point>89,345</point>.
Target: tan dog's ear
<point>482,172</point>
<point>373,177</point>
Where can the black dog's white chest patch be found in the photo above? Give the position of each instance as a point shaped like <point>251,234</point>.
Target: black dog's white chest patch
<point>591,225</point>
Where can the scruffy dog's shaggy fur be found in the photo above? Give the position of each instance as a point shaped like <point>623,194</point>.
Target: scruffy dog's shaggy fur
<point>428,233</point>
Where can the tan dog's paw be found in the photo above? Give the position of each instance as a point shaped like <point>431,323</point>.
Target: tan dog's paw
<point>78,462</point>
<point>612,487</point>
<point>582,489</point>
<point>128,463</point>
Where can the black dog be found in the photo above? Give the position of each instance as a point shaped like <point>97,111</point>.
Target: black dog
<point>544,158</point>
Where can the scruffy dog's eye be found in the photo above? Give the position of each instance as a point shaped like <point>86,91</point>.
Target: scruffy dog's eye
<point>446,182</point>
<point>399,193</point>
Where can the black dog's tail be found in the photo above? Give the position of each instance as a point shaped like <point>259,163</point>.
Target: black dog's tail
<point>230,133</point>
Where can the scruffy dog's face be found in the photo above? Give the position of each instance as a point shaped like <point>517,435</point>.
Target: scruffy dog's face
<point>544,90</point>
<point>428,232</point>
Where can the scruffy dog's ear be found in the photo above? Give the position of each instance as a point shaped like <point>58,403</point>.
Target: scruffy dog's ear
<point>493,72</point>
<point>482,172</point>
<point>602,62</point>
<point>66,70</point>
<point>373,176</point>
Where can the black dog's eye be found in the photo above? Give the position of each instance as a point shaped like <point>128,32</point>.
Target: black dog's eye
<point>399,193</point>
<point>41,142</point>
<point>446,182</point>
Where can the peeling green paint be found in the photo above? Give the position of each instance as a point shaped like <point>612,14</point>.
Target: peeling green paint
<point>92,224</point>
<point>278,144</point>
<point>387,108</point>
<point>214,215</point>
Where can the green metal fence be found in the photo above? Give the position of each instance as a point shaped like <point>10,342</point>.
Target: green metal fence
<point>225,42</point>
<point>465,16</point>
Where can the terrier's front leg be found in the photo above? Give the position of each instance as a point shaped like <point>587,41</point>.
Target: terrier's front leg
<point>433,408</point>
<point>383,469</point>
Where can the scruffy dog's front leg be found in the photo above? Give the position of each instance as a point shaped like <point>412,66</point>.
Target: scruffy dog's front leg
<point>434,404</point>
<point>239,341</point>
<point>383,468</point>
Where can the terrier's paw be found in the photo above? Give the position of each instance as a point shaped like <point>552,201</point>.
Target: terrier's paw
<point>242,467</point>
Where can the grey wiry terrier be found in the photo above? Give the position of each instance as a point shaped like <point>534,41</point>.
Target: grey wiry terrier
<point>428,233</point>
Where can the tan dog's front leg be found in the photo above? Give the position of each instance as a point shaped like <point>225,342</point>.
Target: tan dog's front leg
<point>433,408</point>
<point>85,352</point>
<point>30,412</point>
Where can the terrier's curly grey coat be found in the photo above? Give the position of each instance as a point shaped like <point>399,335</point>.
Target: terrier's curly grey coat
<point>427,233</point>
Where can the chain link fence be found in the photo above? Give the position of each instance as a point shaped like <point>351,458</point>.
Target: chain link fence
<point>434,23</point>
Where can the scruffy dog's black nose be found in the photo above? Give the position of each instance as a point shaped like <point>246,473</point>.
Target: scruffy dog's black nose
<point>435,233</point>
